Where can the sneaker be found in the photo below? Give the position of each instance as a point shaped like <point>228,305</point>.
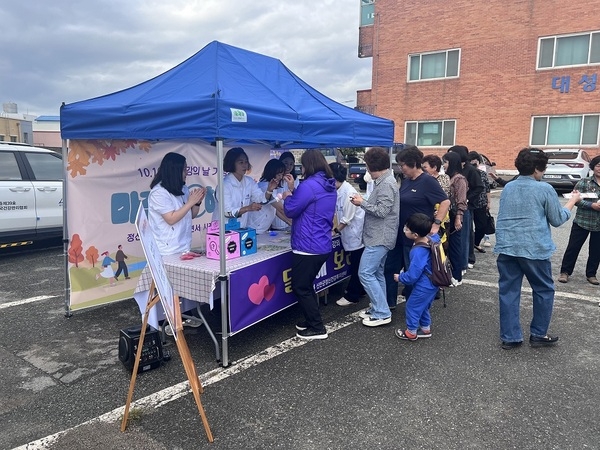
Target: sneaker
<point>400,299</point>
<point>423,334</point>
<point>372,322</point>
<point>168,330</point>
<point>311,334</point>
<point>301,326</point>
<point>194,323</point>
<point>487,244</point>
<point>464,272</point>
<point>343,302</point>
<point>469,266</point>
<point>365,314</point>
<point>563,277</point>
<point>455,282</point>
<point>406,335</point>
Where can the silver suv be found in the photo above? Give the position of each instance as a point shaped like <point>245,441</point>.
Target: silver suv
<point>566,166</point>
<point>31,193</point>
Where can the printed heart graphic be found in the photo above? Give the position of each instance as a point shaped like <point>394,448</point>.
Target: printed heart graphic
<point>269,292</point>
<point>260,291</point>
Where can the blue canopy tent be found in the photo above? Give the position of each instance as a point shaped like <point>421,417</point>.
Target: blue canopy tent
<point>224,94</point>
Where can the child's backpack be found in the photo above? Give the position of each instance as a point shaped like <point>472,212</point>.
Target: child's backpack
<point>441,269</point>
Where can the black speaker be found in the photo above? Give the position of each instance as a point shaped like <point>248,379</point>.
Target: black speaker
<point>152,351</point>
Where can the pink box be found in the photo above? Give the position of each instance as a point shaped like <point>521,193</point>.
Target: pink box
<point>232,244</point>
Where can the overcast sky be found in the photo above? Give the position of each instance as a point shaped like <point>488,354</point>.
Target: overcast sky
<point>55,51</point>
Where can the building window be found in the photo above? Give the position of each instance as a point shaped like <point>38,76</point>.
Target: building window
<point>367,12</point>
<point>13,139</point>
<point>572,50</point>
<point>430,134</point>
<point>427,66</point>
<point>565,130</point>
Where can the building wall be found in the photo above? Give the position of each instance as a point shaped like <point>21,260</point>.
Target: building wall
<point>499,89</point>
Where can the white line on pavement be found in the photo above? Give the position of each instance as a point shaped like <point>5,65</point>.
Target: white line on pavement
<point>172,393</point>
<point>26,300</point>
<point>179,390</point>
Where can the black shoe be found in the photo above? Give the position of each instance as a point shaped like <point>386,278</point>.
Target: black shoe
<point>312,334</point>
<point>511,345</point>
<point>301,326</point>
<point>542,341</point>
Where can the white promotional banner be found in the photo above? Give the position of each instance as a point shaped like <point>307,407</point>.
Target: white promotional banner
<point>106,181</point>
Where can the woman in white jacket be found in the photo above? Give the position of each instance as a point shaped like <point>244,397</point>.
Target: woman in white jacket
<point>349,225</point>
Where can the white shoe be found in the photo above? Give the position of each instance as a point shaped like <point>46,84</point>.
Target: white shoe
<point>371,322</point>
<point>365,313</point>
<point>194,323</point>
<point>469,266</point>
<point>343,302</point>
<point>400,299</point>
<point>455,282</point>
<point>487,244</point>
<point>464,272</point>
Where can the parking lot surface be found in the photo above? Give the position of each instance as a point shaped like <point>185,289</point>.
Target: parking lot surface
<point>64,386</point>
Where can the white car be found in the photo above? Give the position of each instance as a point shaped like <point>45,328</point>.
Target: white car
<point>566,166</point>
<point>31,194</point>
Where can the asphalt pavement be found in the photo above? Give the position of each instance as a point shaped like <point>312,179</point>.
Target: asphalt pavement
<point>63,386</point>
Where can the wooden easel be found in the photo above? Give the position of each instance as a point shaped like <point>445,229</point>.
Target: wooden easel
<point>184,352</point>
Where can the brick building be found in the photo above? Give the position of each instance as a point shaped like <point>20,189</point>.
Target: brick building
<point>495,76</point>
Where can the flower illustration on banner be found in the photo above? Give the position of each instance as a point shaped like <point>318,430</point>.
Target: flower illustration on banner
<point>260,291</point>
<point>83,153</point>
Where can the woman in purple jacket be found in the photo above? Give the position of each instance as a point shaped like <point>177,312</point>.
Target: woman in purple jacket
<point>311,207</point>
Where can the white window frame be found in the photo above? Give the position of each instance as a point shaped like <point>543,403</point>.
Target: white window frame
<point>421,122</point>
<point>548,117</point>
<point>560,36</point>
<point>420,55</point>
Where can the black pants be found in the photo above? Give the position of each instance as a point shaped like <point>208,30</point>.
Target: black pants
<point>304,271</point>
<point>480,222</point>
<point>354,290</point>
<point>122,268</point>
<point>576,240</point>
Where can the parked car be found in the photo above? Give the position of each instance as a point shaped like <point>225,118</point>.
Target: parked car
<point>31,193</point>
<point>566,166</point>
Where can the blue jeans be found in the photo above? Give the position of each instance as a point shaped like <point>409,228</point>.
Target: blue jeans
<point>371,276</point>
<point>539,275</point>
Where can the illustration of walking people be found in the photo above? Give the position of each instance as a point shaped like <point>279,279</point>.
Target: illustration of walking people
<point>122,267</point>
<point>107,271</point>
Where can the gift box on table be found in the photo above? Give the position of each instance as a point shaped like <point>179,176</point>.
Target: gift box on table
<point>247,241</point>
<point>232,245</point>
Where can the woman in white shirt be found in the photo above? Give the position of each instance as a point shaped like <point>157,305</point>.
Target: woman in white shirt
<point>261,220</point>
<point>171,206</point>
<point>350,219</point>
<point>241,193</point>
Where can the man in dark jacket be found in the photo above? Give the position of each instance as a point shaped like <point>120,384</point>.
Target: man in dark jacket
<point>475,189</point>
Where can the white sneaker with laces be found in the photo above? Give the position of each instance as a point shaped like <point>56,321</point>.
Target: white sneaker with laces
<point>371,322</point>
<point>343,302</point>
<point>469,266</point>
<point>365,313</point>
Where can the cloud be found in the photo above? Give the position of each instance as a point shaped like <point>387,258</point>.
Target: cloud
<point>67,51</point>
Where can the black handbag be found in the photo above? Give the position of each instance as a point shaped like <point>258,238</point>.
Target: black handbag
<point>490,224</point>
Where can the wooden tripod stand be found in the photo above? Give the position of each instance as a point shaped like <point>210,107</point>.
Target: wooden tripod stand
<point>184,352</point>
